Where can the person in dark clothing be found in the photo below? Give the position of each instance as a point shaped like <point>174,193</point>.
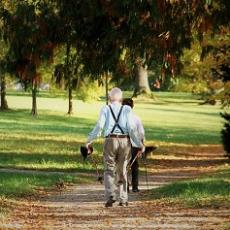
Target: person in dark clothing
<point>134,151</point>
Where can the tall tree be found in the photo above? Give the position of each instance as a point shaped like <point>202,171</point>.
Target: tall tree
<point>68,74</point>
<point>151,30</point>
<point>141,78</point>
<point>30,31</point>
<point>3,50</point>
<point>4,104</point>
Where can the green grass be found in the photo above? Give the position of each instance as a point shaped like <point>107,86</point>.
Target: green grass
<point>226,226</point>
<point>207,191</point>
<point>51,141</point>
<point>18,184</point>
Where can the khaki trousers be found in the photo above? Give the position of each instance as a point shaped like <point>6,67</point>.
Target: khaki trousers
<point>117,153</point>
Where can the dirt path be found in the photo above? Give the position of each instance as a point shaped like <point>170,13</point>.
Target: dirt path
<point>81,206</point>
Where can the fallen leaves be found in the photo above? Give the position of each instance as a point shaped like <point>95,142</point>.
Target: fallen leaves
<point>82,207</point>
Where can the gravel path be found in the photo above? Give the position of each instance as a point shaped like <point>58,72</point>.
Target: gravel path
<point>82,207</point>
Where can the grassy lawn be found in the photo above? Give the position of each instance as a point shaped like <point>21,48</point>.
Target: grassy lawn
<point>18,184</point>
<point>207,191</point>
<point>51,141</point>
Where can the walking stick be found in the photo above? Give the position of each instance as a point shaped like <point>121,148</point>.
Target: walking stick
<point>146,174</point>
<point>99,177</point>
<point>133,161</point>
<point>148,150</point>
<point>85,154</point>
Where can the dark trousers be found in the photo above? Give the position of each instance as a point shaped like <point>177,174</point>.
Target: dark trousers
<point>134,168</point>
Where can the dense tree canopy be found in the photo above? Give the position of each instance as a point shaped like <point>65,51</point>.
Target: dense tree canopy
<point>120,36</point>
<point>153,31</point>
<point>30,31</point>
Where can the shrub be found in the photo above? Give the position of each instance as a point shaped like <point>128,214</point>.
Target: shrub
<point>183,84</point>
<point>225,133</point>
<point>90,91</point>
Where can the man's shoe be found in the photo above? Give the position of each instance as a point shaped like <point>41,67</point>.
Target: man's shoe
<point>125,204</point>
<point>136,190</point>
<point>110,202</point>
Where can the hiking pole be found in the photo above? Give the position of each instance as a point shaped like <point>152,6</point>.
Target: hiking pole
<point>148,150</point>
<point>146,174</point>
<point>133,161</point>
<point>128,171</point>
<point>85,154</point>
<point>99,177</point>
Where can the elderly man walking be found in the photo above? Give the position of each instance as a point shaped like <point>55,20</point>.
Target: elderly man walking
<point>117,120</point>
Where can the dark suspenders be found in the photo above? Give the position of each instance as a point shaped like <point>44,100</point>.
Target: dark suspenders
<point>116,119</point>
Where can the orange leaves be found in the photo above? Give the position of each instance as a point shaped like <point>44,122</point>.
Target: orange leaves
<point>165,40</point>
<point>168,65</point>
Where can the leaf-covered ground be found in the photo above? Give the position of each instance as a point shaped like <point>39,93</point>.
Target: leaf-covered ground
<point>81,206</point>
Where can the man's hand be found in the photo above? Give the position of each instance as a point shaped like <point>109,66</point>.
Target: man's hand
<point>141,151</point>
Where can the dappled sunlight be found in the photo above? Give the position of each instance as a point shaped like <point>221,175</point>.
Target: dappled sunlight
<point>38,153</point>
<point>190,159</point>
<point>114,114</point>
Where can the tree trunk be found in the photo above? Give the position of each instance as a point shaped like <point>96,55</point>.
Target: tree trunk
<point>70,111</point>
<point>67,72</point>
<point>4,105</point>
<point>107,88</point>
<point>34,111</point>
<point>141,81</point>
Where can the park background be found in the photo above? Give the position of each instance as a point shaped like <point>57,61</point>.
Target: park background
<point>59,59</point>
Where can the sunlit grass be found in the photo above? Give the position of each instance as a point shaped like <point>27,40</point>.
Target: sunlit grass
<point>164,119</point>
<point>18,184</point>
<point>206,191</point>
<point>51,141</point>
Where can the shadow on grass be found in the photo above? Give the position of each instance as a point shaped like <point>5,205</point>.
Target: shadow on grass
<point>181,163</point>
<point>44,116</point>
<point>42,140</point>
<point>187,189</point>
<point>185,135</point>
<point>211,190</point>
<point>181,111</point>
<point>19,121</point>
<point>43,94</point>
<point>48,162</point>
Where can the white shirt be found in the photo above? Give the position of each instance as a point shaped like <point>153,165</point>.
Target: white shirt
<point>140,127</point>
<point>126,122</point>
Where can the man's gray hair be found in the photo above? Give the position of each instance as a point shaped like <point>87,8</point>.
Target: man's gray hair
<point>115,94</point>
